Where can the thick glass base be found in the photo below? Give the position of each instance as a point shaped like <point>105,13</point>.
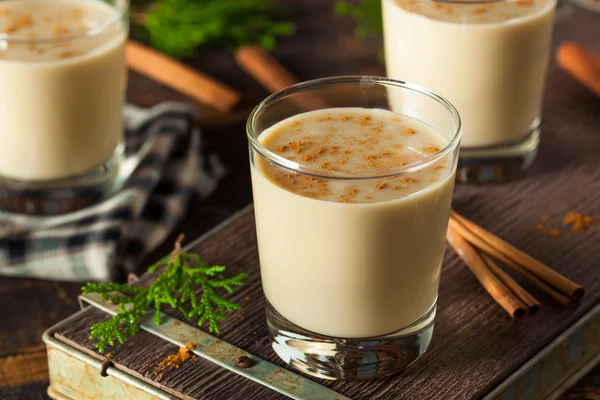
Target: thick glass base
<point>349,359</point>
<point>63,195</point>
<point>498,163</point>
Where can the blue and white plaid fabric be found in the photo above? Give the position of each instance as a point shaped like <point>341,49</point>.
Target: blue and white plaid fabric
<point>108,240</point>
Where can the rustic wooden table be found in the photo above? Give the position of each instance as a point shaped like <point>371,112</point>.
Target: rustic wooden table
<point>323,46</point>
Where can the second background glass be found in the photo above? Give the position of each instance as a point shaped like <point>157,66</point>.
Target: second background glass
<point>489,58</point>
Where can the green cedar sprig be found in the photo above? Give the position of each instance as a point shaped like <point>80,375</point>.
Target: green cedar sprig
<point>367,14</point>
<point>178,27</point>
<point>175,287</point>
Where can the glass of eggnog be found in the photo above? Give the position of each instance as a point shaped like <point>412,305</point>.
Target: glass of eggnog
<point>489,58</point>
<point>352,202</point>
<point>63,77</point>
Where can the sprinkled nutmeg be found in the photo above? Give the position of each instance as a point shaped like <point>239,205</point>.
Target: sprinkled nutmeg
<point>430,149</point>
<point>60,30</point>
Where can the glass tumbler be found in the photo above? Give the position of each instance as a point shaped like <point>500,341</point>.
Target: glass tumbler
<point>63,78</point>
<point>351,281</point>
<point>489,58</point>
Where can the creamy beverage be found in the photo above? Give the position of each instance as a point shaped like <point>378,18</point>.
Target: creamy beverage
<point>489,59</point>
<point>62,75</point>
<point>358,257</point>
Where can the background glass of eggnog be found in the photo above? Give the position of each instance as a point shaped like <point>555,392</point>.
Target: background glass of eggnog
<point>489,58</point>
<point>352,202</point>
<point>63,77</point>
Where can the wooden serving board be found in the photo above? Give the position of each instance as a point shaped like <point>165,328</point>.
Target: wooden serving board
<point>477,351</point>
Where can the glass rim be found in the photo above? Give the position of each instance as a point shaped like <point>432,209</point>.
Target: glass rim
<point>121,7</point>
<point>471,2</point>
<point>293,166</point>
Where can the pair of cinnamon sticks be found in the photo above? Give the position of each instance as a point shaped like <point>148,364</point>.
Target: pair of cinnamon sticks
<point>476,247</point>
<point>201,87</point>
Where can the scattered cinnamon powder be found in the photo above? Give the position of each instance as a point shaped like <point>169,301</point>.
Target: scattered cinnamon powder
<point>66,54</point>
<point>173,361</point>
<point>365,120</point>
<point>525,3</point>
<point>579,223</point>
<point>480,11</point>
<point>23,21</point>
<point>60,30</point>
<point>10,29</point>
<point>353,192</point>
<point>77,13</point>
<point>407,179</point>
<point>430,149</point>
<point>544,230</point>
<point>409,131</point>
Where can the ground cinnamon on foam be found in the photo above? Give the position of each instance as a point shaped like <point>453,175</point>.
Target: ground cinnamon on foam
<point>369,147</point>
<point>173,361</point>
<point>21,22</point>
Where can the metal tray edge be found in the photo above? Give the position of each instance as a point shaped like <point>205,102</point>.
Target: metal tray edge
<point>50,341</point>
<point>566,352</point>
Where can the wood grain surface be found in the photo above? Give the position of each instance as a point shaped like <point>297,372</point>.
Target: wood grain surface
<point>28,307</point>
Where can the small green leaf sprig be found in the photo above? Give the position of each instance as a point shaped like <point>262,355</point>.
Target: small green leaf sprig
<point>367,14</point>
<point>178,27</point>
<point>176,287</point>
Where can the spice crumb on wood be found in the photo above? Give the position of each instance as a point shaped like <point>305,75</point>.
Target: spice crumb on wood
<point>572,223</point>
<point>173,361</point>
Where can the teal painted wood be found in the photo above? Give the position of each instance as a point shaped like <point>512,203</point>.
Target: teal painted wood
<point>76,375</point>
<point>225,355</point>
<point>570,356</point>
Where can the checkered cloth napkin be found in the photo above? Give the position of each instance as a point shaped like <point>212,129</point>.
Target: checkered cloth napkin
<point>108,240</point>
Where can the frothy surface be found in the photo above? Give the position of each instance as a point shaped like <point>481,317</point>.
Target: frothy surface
<point>64,22</point>
<point>360,143</point>
<point>475,12</point>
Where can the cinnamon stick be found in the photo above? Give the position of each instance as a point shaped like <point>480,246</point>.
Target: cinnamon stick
<point>499,292</point>
<point>180,77</point>
<point>264,68</point>
<point>532,304</point>
<point>534,266</point>
<point>581,63</point>
<point>274,77</point>
<point>509,262</point>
